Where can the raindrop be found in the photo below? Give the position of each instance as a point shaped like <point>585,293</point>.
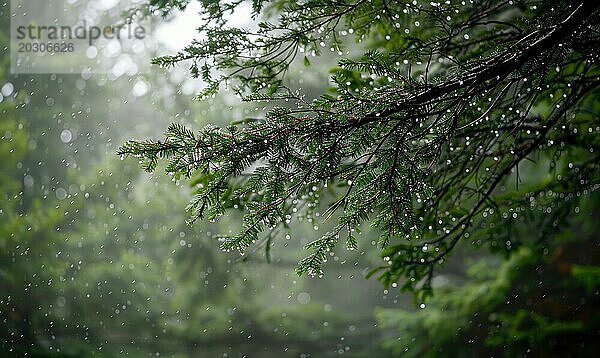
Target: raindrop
<point>7,89</point>
<point>303,298</point>
<point>28,181</point>
<point>66,136</point>
<point>139,89</point>
<point>61,193</point>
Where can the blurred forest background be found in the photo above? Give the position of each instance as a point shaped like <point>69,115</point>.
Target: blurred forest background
<point>96,258</point>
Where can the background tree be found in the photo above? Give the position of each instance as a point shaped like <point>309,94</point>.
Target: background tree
<point>436,135</point>
<point>534,303</point>
<point>94,261</point>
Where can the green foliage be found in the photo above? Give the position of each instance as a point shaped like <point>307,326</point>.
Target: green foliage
<point>588,276</point>
<point>538,302</point>
<point>95,261</point>
<point>510,311</point>
<point>422,136</point>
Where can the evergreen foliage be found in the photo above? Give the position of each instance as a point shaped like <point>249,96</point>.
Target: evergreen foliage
<point>530,304</point>
<point>427,137</point>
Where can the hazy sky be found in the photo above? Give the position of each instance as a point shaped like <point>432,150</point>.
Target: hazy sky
<point>180,31</point>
